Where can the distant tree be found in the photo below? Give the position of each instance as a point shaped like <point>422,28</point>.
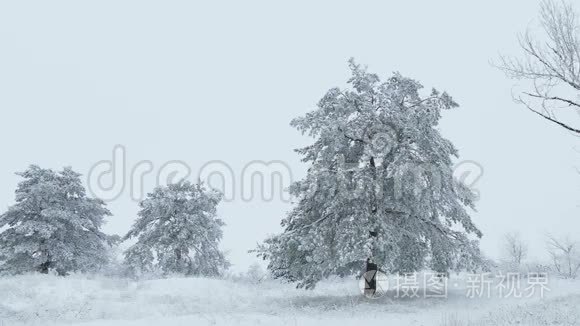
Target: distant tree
<point>379,190</point>
<point>515,248</point>
<point>565,255</point>
<point>551,63</point>
<point>53,225</point>
<point>178,232</point>
<point>255,273</point>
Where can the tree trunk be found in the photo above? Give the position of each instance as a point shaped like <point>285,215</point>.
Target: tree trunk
<point>177,252</point>
<point>371,268</point>
<point>43,268</point>
<point>370,278</point>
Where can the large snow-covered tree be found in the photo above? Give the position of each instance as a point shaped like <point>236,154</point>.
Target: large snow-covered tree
<point>379,188</point>
<point>53,225</point>
<point>178,231</point>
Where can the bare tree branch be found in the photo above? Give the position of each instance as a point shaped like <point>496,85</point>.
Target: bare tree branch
<point>547,117</point>
<point>552,66</point>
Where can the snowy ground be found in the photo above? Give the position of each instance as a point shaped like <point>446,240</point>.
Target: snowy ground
<point>92,301</point>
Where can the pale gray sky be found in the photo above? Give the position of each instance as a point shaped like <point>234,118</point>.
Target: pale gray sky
<point>178,80</point>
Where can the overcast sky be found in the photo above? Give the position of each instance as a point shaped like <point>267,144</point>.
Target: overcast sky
<point>196,82</point>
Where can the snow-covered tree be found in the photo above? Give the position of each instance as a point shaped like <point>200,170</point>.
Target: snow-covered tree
<point>379,187</point>
<point>53,225</point>
<point>178,231</point>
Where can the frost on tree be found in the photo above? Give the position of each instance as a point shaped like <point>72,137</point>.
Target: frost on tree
<point>379,187</point>
<point>53,225</point>
<point>178,231</point>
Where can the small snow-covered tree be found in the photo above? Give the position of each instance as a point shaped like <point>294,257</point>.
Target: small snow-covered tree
<point>178,231</point>
<point>565,255</point>
<point>53,225</point>
<point>255,273</point>
<point>379,190</point>
<point>515,249</point>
